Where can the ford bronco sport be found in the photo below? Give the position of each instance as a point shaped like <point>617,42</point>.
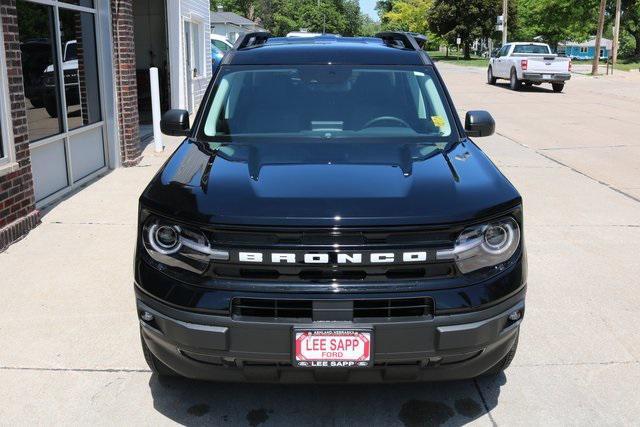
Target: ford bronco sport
<point>327,218</point>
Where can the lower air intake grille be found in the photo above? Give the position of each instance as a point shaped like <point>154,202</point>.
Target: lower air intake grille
<point>272,308</point>
<point>408,307</point>
<point>304,309</point>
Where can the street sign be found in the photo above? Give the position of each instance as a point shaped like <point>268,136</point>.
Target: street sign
<point>458,41</point>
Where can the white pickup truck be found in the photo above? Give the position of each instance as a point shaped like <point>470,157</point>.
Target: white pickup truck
<point>529,64</point>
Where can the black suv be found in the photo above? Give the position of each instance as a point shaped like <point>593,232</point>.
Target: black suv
<point>327,218</point>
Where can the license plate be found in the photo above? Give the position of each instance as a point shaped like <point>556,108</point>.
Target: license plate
<point>322,348</point>
<point>546,76</point>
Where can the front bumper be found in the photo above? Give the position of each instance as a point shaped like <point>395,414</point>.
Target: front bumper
<point>540,77</point>
<point>221,348</point>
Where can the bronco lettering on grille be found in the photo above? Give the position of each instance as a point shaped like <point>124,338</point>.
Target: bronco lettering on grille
<point>340,258</point>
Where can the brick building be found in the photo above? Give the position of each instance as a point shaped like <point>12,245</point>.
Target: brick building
<point>74,91</point>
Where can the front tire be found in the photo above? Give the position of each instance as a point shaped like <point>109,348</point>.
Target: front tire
<point>51,107</point>
<point>514,82</point>
<point>557,87</point>
<point>490,78</point>
<point>504,362</point>
<point>156,366</point>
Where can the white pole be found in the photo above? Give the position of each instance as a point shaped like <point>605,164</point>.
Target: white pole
<point>155,108</point>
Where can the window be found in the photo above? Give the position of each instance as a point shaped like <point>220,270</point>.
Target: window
<point>328,102</point>
<point>44,44</point>
<point>531,49</point>
<point>195,44</point>
<point>40,69</point>
<point>504,50</point>
<point>220,45</point>
<point>82,92</point>
<point>584,49</point>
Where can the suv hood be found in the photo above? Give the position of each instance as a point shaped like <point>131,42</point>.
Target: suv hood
<point>328,184</point>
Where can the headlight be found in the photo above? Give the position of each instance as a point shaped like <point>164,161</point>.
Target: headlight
<point>179,246</point>
<point>484,245</point>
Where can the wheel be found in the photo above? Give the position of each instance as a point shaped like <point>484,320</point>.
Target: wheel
<point>36,101</point>
<point>490,79</point>
<point>51,107</point>
<point>557,87</point>
<point>156,366</point>
<point>505,362</point>
<point>514,83</point>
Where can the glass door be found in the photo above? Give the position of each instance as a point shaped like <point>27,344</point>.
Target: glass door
<point>59,51</point>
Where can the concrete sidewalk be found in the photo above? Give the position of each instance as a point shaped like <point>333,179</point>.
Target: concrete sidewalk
<point>71,351</point>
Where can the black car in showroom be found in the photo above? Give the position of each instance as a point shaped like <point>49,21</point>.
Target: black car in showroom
<point>327,218</point>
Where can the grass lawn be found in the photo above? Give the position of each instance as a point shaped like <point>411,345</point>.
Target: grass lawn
<point>473,62</point>
<point>623,64</point>
<point>628,64</point>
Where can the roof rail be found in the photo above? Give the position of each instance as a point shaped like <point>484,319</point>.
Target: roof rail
<point>252,40</point>
<point>401,39</point>
<point>421,39</point>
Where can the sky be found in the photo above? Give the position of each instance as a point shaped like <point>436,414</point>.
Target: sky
<point>368,7</point>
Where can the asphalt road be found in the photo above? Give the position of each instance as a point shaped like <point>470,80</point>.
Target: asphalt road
<point>70,350</point>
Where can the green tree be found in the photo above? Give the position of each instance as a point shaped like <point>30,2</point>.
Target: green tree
<point>557,20</point>
<point>282,16</point>
<point>408,15</point>
<point>630,23</point>
<point>382,7</point>
<point>467,19</point>
<point>369,27</point>
<point>331,16</point>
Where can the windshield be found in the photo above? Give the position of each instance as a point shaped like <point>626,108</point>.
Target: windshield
<point>220,45</point>
<point>328,102</point>
<point>531,48</point>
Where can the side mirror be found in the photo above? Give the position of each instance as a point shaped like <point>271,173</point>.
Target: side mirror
<point>175,123</point>
<point>494,53</point>
<point>479,123</point>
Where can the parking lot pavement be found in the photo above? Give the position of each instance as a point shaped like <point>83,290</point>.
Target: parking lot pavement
<point>70,348</point>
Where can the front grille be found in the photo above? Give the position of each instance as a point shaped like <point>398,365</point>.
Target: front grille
<point>268,241</point>
<point>300,309</point>
<point>406,307</point>
<point>272,308</point>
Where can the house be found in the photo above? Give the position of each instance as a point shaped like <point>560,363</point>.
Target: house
<point>232,25</point>
<point>73,86</point>
<point>586,50</point>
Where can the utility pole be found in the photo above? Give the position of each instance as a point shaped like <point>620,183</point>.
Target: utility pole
<point>505,15</point>
<point>616,32</point>
<point>596,54</point>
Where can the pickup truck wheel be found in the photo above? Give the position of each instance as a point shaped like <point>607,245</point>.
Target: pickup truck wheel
<point>514,83</point>
<point>490,79</point>
<point>557,87</point>
<point>156,366</point>
<point>52,108</point>
<point>505,362</point>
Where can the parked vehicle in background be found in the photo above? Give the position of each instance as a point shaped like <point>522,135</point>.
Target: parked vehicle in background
<point>71,82</point>
<point>529,64</point>
<point>35,57</point>
<point>219,45</point>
